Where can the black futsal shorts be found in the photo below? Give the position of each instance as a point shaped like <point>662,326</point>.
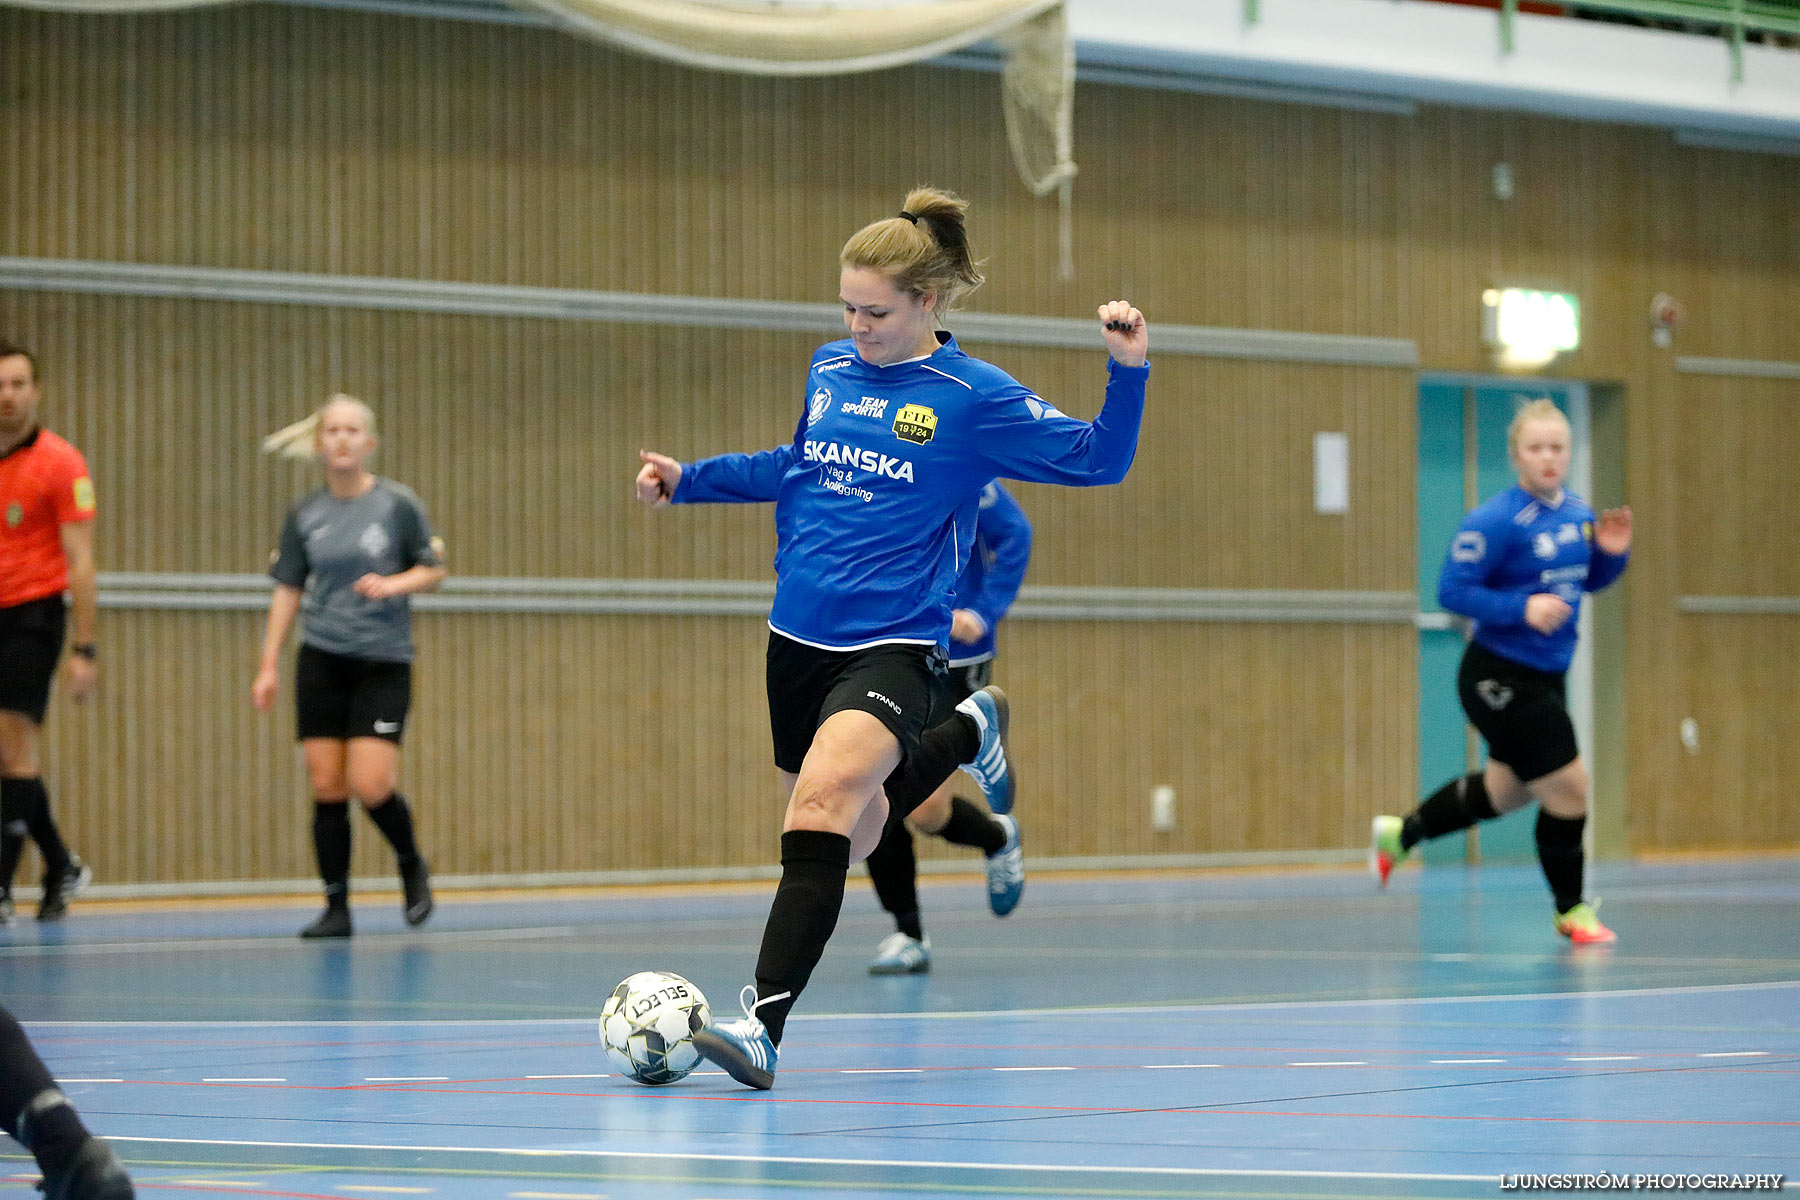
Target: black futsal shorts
<point>1523,713</point>
<point>901,685</point>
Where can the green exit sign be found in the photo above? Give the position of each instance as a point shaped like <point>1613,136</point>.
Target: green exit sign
<point>1527,323</point>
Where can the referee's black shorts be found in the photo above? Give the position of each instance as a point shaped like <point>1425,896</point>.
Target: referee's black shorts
<point>1523,713</point>
<point>31,640</point>
<point>337,696</point>
<point>900,684</point>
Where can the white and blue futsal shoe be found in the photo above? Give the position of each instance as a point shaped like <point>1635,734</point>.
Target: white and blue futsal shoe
<point>989,768</point>
<point>744,1047</point>
<point>1006,870</point>
<point>901,954</point>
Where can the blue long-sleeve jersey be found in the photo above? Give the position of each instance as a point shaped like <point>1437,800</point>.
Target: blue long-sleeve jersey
<point>875,497</point>
<point>1512,548</point>
<point>990,582</point>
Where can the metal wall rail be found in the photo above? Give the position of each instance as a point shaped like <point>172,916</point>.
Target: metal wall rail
<point>502,300</point>
<point>731,597</point>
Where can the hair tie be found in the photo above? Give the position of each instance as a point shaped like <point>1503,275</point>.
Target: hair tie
<point>913,217</point>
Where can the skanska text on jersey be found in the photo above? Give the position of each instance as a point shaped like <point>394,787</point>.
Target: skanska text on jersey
<point>860,457</point>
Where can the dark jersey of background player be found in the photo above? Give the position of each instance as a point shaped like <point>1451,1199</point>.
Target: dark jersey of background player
<point>350,555</point>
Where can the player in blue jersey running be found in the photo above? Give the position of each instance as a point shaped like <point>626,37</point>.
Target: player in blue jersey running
<point>984,592</point>
<point>1519,566</point>
<point>875,513</point>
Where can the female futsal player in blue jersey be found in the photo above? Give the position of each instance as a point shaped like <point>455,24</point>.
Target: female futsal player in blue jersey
<point>1519,567</point>
<point>875,511</point>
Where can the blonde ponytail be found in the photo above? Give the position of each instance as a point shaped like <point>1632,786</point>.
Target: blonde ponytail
<point>301,439</point>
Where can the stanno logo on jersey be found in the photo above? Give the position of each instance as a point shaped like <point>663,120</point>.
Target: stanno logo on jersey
<point>1040,410</point>
<point>884,700</point>
<point>916,423</point>
<point>15,513</point>
<point>1544,546</point>
<point>821,400</point>
<point>1567,534</point>
<point>860,457</point>
<point>868,406</point>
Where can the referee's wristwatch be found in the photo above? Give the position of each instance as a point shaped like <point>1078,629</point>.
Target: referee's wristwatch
<point>87,650</point>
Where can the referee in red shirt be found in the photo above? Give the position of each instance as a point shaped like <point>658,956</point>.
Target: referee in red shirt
<point>46,549</point>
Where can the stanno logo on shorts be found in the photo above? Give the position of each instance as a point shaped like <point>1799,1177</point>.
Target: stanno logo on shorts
<point>387,727</point>
<point>884,700</point>
<point>915,423</point>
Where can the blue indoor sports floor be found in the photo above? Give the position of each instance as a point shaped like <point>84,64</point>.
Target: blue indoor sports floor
<point>1241,1034</point>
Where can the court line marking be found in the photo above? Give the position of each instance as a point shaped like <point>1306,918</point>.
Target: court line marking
<point>1736,1054</point>
<point>976,1014</point>
<point>797,1160</point>
<point>244,1079</point>
<point>406,1079</point>
<point>570,1077</point>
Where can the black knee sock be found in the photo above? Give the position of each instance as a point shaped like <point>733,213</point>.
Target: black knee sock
<point>42,825</point>
<point>1562,856</point>
<point>805,912</point>
<point>31,1108</point>
<point>894,870</point>
<point>971,826</point>
<point>331,845</point>
<point>1457,805</point>
<point>942,748</point>
<point>12,830</point>
<point>394,819</point>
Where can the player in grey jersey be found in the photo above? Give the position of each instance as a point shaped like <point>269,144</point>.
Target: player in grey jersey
<point>350,555</point>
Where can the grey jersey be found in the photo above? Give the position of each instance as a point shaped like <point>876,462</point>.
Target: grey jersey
<point>327,544</point>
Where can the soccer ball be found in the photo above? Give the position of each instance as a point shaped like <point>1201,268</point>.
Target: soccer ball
<point>648,1024</point>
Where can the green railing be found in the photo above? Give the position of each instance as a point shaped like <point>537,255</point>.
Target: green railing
<point>1734,20</point>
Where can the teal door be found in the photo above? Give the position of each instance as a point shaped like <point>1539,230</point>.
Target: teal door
<point>1463,460</point>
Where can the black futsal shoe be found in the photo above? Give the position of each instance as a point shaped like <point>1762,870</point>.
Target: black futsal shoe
<point>334,922</point>
<point>61,886</point>
<point>415,878</point>
<point>95,1173</point>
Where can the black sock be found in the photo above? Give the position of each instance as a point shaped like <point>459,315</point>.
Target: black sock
<point>31,1108</point>
<point>1563,859</point>
<point>894,870</point>
<point>971,826</point>
<point>42,825</point>
<point>331,845</point>
<point>1457,805</point>
<point>12,831</point>
<point>942,749</point>
<point>801,920</point>
<point>394,819</point>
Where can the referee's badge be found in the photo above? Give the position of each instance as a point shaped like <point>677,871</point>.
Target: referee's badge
<point>84,494</point>
<point>15,512</point>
